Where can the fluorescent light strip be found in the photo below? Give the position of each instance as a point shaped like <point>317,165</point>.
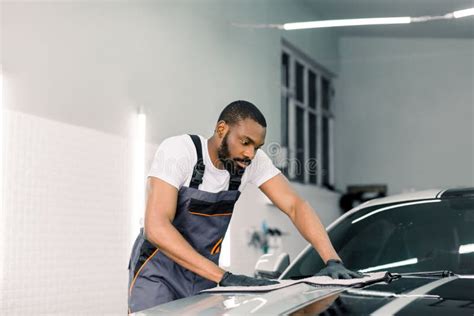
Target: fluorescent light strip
<point>466,248</point>
<point>346,22</point>
<point>138,183</point>
<point>392,265</point>
<point>463,13</point>
<point>392,207</point>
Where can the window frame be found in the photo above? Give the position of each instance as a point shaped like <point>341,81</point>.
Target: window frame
<point>296,55</point>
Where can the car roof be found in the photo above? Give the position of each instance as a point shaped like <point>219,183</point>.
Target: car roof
<point>403,197</point>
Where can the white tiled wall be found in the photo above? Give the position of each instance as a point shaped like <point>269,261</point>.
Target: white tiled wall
<point>66,219</point>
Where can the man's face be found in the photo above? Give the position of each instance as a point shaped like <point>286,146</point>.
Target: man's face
<point>240,144</point>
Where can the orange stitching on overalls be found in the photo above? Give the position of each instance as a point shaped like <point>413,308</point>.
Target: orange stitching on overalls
<point>138,272</point>
<point>215,246</point>
<point>200,214</point>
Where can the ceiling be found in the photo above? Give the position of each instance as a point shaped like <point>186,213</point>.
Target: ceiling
<point>349,9</point>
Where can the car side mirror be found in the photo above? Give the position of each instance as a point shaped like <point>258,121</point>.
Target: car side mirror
<point>271,265</point>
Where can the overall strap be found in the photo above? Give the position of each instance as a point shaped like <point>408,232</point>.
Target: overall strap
<point>235,179</point>
<point>199,167</point>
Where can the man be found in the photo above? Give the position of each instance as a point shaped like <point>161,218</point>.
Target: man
<point>193,186</point>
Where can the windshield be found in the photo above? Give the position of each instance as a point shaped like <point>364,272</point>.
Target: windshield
<point>415,236</point>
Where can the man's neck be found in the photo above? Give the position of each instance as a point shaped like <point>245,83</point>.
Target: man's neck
<point>212,148</point>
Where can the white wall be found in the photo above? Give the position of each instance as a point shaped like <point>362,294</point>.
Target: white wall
<point>405,113</point>
<point>66,215</point>
<point>74,73</point>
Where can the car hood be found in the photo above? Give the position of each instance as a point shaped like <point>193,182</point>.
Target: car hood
<point>408,295</point>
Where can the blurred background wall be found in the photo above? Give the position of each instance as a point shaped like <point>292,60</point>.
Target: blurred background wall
<point>405,112</point>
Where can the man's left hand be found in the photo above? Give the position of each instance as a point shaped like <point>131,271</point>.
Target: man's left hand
<point>336,270</point>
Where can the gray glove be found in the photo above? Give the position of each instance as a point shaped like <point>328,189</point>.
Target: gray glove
<point>229,279</point>
<point>336,270</point>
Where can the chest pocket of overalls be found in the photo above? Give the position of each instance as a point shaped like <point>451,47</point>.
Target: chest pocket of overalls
<point>204,208</point>
<point>216,216</point>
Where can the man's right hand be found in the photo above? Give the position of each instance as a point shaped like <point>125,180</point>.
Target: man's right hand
<point>336,270</point>
<point>229,279</point>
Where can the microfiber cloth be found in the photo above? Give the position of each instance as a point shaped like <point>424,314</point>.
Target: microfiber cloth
<point>368,278</point>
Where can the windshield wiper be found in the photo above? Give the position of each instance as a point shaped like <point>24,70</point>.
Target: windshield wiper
<point>394,275</point>
<point>427,274</point>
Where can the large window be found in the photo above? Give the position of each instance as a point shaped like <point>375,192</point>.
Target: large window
<point>306,118</point>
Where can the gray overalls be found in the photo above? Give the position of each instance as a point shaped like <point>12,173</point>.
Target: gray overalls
<point>202,218</point>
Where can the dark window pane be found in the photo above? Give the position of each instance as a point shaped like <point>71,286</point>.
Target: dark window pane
<point>299,72</point>
<point>325,151</point>
<point>284,121</point>
<point>325,94</point>
<point>312,148</point>
<point>284,128</point>
<point>299,169</point>
<point>284,69</point>
<point>312,89</point>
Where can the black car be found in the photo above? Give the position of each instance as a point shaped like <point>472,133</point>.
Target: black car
<point>425,240</point>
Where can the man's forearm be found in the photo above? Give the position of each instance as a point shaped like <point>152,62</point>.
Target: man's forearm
<point>311,228</point>
<point>174,246</point>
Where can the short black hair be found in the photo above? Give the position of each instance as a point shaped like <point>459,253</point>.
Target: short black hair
<point>241,110</point>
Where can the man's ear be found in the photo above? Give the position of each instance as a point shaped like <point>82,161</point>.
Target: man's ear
<point>221,129</point>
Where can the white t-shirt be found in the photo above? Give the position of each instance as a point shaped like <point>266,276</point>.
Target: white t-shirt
<point>176,156</point>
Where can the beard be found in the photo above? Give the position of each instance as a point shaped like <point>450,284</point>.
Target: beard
<point>229,163</point>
